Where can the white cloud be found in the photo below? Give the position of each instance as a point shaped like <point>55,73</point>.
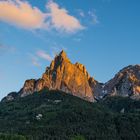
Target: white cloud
<point>22,14</point>
<point>61,20</point>
<point>42,54</point>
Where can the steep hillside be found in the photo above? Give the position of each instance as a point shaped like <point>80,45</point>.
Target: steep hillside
<point>54,115</point>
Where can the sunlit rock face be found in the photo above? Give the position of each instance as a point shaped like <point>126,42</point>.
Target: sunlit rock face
<point>74,79</point>
<point>28,87</point>
<point>62,75</point>
<point>126,82</point>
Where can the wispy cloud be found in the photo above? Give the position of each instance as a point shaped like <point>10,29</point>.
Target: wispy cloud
<point>44,55</point>
<point>93,17</point>
<point>89,15</point>
<point>37,57</point>
<point>81,12</point>
<point>77,39</point>
<point>35,61</point>
<point>23,14</point>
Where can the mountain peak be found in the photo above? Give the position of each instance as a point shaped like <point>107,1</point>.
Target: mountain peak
<point>74,79</point>
<point>59,60</point>
<point>126,82</point>
<point>62,75</point>
<point>63,54</point>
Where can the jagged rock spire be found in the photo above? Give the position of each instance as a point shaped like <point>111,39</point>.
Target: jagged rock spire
<point>63,54</point>
<point>60,58</point>
<point>65,76</point>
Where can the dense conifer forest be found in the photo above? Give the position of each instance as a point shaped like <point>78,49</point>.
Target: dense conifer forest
<point>54,115</point>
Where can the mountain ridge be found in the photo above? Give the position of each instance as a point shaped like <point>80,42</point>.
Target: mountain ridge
<point>75,80</point>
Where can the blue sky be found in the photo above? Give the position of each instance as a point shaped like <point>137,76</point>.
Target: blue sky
<point>104,35</point>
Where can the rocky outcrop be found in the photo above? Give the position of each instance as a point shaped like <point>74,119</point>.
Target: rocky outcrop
<point>10,97</point>
<point>125,83</point>
<point>97,88</point>
<point>74,79</point>
<point>65,76</point>
<point>28,88</point>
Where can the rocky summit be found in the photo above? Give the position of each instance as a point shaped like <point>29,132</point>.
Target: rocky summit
<point>75,80</point>
<point>125,83</point>
<point>64,76</point>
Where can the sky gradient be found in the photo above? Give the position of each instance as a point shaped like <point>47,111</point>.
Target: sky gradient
<point>104,35</point>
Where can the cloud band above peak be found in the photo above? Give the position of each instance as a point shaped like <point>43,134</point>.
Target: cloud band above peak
<point>24,15</point>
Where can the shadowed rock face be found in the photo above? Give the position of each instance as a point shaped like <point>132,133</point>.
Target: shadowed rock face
<point>62,75</point>
<point>126,82</point>
<point>10,97</point>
